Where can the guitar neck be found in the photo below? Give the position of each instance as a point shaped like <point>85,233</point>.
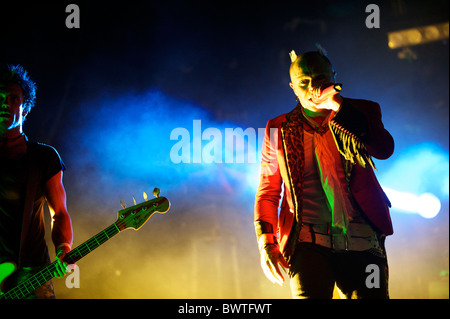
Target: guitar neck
<point>85,248</point>
<point>27,286</point>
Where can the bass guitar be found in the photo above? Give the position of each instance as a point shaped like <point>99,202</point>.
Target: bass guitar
<point>133,217</point>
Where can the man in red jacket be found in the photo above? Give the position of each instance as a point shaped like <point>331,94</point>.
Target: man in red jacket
<point>334,217</point>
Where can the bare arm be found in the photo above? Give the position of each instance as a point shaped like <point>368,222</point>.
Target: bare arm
<point>62,236</point>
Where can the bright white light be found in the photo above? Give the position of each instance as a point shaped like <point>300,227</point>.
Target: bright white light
<point>429,205</point>
<point>426,205</point>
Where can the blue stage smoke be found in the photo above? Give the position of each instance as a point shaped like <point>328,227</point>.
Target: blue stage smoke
<point>122,143</point>
<point>417,181</point>
<point>419,169</point>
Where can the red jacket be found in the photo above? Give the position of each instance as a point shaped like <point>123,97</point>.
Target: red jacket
<point>362,119</point>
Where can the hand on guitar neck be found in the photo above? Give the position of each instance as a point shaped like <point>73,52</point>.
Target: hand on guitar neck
<point>61,267</point>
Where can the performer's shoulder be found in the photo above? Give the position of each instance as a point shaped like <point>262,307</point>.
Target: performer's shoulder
<point>275,122</point>
<point>360,102</point>
<point>41,147</point>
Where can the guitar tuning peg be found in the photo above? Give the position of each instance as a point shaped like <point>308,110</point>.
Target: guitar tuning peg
<point>134,201</point>
<point>122,203</point>
<point>145,196</point>
<point>156,192</point>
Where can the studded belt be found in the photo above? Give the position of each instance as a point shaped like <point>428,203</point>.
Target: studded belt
<point>359,237</point>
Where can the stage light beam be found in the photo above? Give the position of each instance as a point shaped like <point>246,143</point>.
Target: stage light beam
<point>426,205</point>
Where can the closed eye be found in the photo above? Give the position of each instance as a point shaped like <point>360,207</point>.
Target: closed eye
<point>304,82</point>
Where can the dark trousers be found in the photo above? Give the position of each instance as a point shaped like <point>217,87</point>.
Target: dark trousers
<point>314,271</point>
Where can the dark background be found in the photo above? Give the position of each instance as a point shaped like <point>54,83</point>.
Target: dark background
<point>111,93</point>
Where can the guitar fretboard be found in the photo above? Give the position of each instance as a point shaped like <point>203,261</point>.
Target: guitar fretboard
<point>26,287</point>
<point>82,250</point>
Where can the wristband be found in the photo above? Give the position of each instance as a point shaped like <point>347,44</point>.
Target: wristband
<point>262,227</point>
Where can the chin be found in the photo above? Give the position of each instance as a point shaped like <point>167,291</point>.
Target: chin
<point>312,108</point>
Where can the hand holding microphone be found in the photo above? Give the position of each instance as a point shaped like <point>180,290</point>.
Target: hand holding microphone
<point>322,96</point>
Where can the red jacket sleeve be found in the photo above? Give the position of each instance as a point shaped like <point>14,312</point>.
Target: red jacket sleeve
<point>359,132</point>
<point>269,191</point>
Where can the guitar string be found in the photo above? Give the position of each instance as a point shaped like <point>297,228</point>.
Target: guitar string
<point>88,246</point>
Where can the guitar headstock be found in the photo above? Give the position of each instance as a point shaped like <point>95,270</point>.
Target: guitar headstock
<point>137,215</point>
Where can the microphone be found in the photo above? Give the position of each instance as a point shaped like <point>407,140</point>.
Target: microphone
<point>327,93</point>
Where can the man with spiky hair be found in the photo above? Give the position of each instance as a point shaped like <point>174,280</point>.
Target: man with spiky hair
<point>30,175</point>
<point>334,217</point>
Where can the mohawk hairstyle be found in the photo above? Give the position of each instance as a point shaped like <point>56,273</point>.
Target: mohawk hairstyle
<point>320,52</point>
<point>16,74</point>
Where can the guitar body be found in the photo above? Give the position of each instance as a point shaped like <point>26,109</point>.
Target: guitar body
<point>6,269</point>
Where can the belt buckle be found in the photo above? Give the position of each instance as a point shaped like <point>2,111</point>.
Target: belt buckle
<point>334,241</point>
